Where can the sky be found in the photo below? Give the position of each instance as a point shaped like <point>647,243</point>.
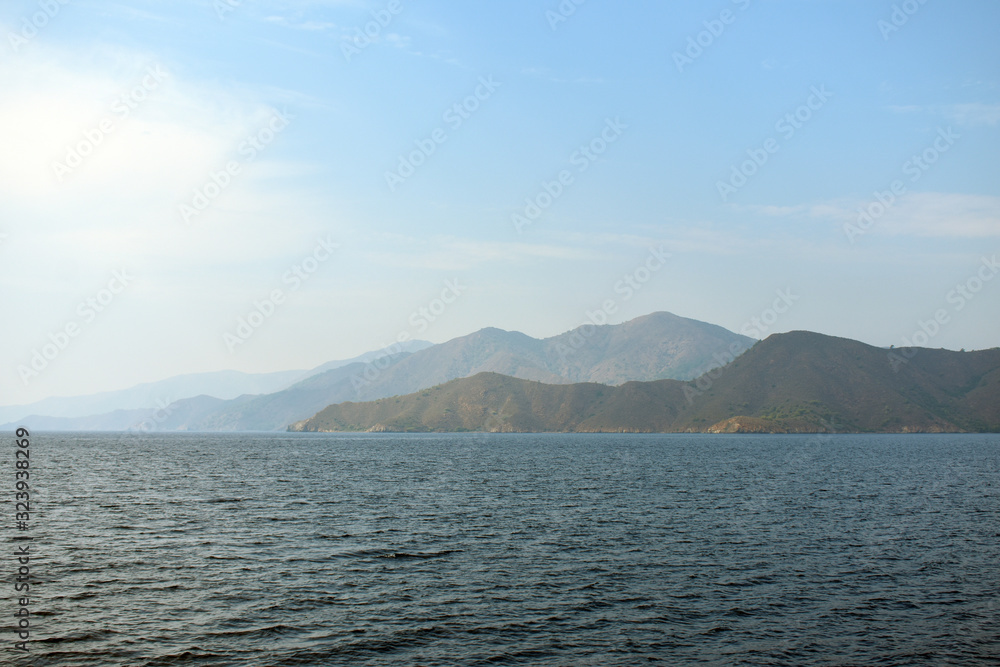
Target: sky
<point>199,185</point>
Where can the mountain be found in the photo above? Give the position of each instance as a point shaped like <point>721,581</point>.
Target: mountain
<point>397,348</point>
<point>652,347</point>
<point>807,376</point>
<point>177,416</point>
<point>656,346</point>
<point>117,420</point>
<point>108,410</point>
<point>793,382</point>
<point>152,395</point>
<point>274,411</point>
<point>499,403</point>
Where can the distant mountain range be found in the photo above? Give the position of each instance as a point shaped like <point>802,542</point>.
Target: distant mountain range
<point>657,373</point>
<point>653,347</point>
<point>118,410</point>
<point>793,382</point>
<point>150,395</point>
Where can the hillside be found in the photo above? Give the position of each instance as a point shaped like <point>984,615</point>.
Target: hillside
<point>794,382</point>
<point>109,410</point>
<point>660,345</point>
<point>655,346</point>
<point>802,375</point>
<point>652,347</point>
<point>150,395</point>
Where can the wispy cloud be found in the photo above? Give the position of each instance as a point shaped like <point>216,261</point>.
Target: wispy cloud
<point>945,215</point>
<point>547,75</point>
<point>449,253</point>
<point>121,198</point>
<point>974,114</point>
<point>310,26</point>
<point>397,40</point>
<point>923,214</point>
<point>962,114</point>
<point>157,134</point>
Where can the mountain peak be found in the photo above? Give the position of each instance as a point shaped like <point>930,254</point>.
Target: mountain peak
<point>656,346</point>
<point>798,382</point>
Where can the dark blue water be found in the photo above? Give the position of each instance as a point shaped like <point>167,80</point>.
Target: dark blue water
<point>299,549</point>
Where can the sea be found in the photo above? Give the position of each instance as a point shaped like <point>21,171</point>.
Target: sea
<point>277,549</point>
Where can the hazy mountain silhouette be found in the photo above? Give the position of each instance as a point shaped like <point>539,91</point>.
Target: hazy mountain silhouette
<point>655,346</point>
<point>793,382</point>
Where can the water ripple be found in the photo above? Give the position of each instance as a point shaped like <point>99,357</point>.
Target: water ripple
<point>303,549</point>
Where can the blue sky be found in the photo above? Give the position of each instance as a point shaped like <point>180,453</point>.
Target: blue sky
<point>214,153</point>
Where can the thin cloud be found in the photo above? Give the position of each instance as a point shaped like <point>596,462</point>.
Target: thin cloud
<point>459,254</point>
<point>547,75</point>
<point>923,214</point>
<point>310,26</point>
<point>974,114</point>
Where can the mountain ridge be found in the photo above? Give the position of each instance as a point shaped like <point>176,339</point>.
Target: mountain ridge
<point>652,346</point>
<point>158,395</point>
<point>649,347</point>
<point>792,382</point>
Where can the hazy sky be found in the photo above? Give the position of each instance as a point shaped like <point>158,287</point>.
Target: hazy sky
<point>166,165</point>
